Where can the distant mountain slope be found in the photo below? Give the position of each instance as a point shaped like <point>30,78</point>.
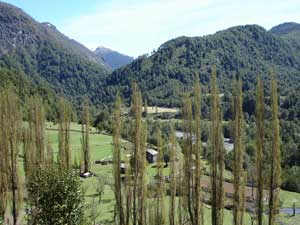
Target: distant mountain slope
<point>46,56</point>
<point>249,50</point>
<point>285,28</point>
<point>113,58</point>
<point>290,32</point>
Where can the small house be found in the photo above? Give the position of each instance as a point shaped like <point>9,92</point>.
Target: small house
<point>151,155</point>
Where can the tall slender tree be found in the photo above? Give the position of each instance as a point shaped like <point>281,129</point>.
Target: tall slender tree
<point>85,131</point>
<point>138,158</point>
<point>4,159</point>
<point>259,150</point>
<point>64,156</point>
<point>275,170</point>
<point>189,165</point>
<point>36,121</point>
<point>160,217</point>
<point>11,122</point>
<point>117,162</point>
<point>198,204</point>
<point>173,179</point>
<point>238,170</point>
<point>217,155</point>
<point>142,177</point>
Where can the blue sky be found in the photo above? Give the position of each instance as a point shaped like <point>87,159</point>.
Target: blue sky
<point>136,27</point>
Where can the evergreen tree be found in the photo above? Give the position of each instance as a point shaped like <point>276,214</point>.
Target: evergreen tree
<point>275,171</point>
<point>259,150</point>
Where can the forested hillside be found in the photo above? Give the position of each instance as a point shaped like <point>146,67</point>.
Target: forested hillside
<point>248,50</point>
<point>46,58</point>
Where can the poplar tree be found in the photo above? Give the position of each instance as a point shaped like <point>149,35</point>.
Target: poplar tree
<point>173,179</point>
<point>217,155</point>
<point>85,131</point>
<point>189,165</point>
<point>4,160</point>
<point>275,170</point>
<point>11,121</point>
<point>259,150</point>
<point>142,177</point>
<point>117,162</point>
<point>198,204</point>
<point>36,121</point>
<point>64,156</point>
<point>137,164</point>
<point>160,217</point>
<point>238,170</point>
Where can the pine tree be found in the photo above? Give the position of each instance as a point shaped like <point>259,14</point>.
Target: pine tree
<point>259,150</point>
<point>238,170</point>
<point>217,155</point>
<point>85,131</point>
<point>275,171</point>
<point>117,162</point>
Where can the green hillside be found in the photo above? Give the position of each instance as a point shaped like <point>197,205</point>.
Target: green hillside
<point>248,50</point>
<point>46,58</point>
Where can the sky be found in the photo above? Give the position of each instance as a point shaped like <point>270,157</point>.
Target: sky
<point>137,27</point>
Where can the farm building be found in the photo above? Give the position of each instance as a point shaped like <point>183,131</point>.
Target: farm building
<point>151,155</point>
<point>123,168</point>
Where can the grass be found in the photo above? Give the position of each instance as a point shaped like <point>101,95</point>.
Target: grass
<point>101,147</point>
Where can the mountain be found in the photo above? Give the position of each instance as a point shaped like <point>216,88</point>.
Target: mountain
<point>46,58</point>
<point>113,58</point>
<point>285,28</point>
<point>247,50</point>
<point>289,32</point>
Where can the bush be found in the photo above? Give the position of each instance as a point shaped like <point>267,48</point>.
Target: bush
<point>56,198</point>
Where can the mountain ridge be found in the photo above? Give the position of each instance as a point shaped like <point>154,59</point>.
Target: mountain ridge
<point>249,50</point>
<point>47,57</point>
<point>113,58</point>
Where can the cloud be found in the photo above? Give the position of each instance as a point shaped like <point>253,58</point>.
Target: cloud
<point>136,27</point>
<point>140,20</point>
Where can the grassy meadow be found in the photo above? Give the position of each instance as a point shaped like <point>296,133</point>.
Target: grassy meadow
<point>101,148</point>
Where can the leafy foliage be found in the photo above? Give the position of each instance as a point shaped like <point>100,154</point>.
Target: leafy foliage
<point>56,198</point>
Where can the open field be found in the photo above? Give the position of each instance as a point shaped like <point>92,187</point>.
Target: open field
<point>101,148</point>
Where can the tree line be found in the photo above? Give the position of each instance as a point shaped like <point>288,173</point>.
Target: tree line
<point>142,200</point>
<point>139,198</point>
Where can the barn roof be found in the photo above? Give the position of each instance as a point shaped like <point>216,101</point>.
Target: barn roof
<point>152,151</point>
